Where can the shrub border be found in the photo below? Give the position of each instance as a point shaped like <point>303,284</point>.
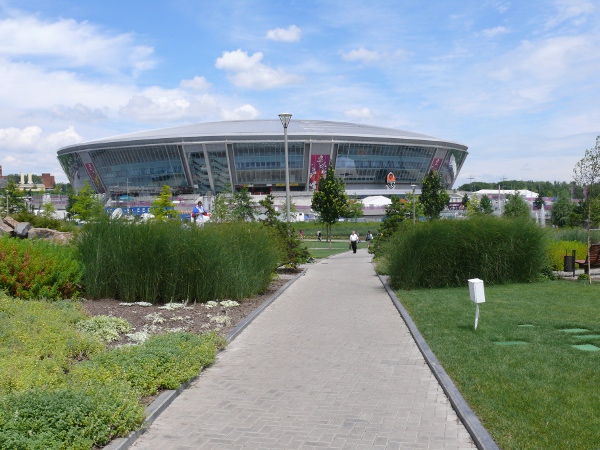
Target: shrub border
<point>166,398</point>
<point>481,437</point>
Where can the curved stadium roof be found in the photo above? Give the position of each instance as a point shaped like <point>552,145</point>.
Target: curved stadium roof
<point>261,129</point>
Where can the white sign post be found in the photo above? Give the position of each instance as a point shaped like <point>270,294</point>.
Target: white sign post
<point>477,295</point>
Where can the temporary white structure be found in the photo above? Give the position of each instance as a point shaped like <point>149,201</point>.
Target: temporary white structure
<point>376,200</point>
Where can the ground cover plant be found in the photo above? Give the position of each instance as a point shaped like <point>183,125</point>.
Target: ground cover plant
<point>519,370</point>
<point>160,262</point>
<point>443,253</point>
<point>38,269</point>
<point>61,388</point>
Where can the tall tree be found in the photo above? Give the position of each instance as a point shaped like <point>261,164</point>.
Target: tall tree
<point>562,209</point>
<point>396,212</point>
<point>587,175</point>
<point>330,200</point>
<point>434,196</point>
<point>486,206</point>
<point>162,206</point>
<point>516,206</point>
<point>242,206</point>
<point>86,205</point>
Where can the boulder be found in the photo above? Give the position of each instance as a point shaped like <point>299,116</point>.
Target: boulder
<point>11,222</point>
<point>5,229</point>
<point>22,228</point>
<point>49,235</point>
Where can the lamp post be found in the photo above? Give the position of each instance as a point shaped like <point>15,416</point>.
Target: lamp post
<point>285,120</point>
<point>414,186</point>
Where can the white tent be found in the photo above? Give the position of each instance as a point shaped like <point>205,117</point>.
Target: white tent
<point>376,200</point>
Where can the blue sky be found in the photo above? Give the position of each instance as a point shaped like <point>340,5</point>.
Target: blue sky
<point>516,81</point>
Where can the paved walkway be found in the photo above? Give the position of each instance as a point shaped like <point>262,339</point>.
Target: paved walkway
<point>330,364</point>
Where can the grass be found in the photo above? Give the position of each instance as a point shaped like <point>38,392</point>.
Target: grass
<point>542,394</point>
<point>321,249</point>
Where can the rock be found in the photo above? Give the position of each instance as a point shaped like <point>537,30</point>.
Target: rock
<point>5,229</point>
<point>11,222</point>
<point>49,235</point>
<point>22,228</point>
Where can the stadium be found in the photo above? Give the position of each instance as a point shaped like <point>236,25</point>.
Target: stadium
<point>207,158</point>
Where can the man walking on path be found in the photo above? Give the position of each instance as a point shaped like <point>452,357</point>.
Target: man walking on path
<point>329,364</point>
<point>353,241</point>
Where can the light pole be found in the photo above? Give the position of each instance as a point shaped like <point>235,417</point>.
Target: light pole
<point>285,120</point>
<point>414,186</point>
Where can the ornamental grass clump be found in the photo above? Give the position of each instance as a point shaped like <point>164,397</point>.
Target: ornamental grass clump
<point>162,262</point>
<point>449,252</point>
<point>32,269</point>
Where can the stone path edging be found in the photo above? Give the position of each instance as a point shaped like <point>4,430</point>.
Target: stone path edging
<point>479,434</point>
<point>166,398</point>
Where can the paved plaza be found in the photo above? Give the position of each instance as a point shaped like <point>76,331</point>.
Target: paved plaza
<point>329,364</point>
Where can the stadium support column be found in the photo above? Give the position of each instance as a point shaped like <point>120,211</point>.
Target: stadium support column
<point>285,120</point>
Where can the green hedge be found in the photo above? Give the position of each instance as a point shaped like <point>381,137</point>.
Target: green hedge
<point>159,262</point>
<point>449,252</point>
<point>38,269</point>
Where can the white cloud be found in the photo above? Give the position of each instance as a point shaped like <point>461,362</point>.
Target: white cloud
<point>245,112</point>
<point>67,43</point>
<point>79,113</point>
<point>576,11</point>
<point>291,34</point>
<point>361,113</point>
<point>362,54</point>
<point>249,72</point>
<point>195,84</point>
<point>496,31</point>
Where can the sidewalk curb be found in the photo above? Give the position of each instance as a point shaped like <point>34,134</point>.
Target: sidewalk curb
<point>164,400</point>
<point>479,434</point>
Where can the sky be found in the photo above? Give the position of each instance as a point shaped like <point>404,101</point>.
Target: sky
<point>516,81</point>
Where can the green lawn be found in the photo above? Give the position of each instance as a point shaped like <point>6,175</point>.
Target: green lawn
<point>321,249</point>
<point>538,392</point>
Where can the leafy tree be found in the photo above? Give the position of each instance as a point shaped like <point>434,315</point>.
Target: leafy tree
<point>396,212</point>
<point>86,205</point>
<point>330,200</point>
<point>539,202</point>
<point>47,210</point>
<point>354,209</point>
<point>485,205</point>
<point>220,209</point>
<point>162,206</point>
<point>294,250</point>
<point>242,206</point>
<point>474,206</point>
<point>72,196</point>
<point>465,200</point>
<point>516,206</point>
<point>16,199</point>
<point>562,210</point>
<point>434,196</point>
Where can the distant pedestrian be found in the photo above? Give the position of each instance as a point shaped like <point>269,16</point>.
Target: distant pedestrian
<point>301,235</point>
<point>198,213</point>
<point>319,236</point>
<point>353,241</point>
<point>369,238</point>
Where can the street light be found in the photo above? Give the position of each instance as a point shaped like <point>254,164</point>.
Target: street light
<point>414,186</point>
<point>285,121</point>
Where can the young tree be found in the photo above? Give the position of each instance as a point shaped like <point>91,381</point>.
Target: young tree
<point>86,205</point>
<point>242,206</point>
<point>220,209</point>
<point>396,212</point>
<point>330,200</point>
<point>162,206</point>
<point>474,206</point>
<point>354,209</point>
<point>434,196</point>
<point>47,211</point>
<point>485,205</point>
<point>14,199</point>
<point>516,206</point>
<point>562,209</point>
<point>465,200</point>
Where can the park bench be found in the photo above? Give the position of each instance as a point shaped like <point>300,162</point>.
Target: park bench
<point>594,258</point>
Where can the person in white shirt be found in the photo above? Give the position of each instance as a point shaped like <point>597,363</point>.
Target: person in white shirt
<point>353,241</point>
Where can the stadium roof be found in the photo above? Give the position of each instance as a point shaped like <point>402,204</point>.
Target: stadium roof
<point>270,129</point>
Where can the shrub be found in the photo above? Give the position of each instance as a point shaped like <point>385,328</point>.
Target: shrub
<point>162,362</point>
<point>76,417</point>
<point>160,262</point>
<point>558,249</point>
<point>104,327</point>
<point>38,269</point>
<point>449,252</point>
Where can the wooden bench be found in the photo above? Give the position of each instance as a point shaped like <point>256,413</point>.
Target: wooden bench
<point>594,258</point>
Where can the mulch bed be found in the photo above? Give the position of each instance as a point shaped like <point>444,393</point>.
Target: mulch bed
<point>195,317</point>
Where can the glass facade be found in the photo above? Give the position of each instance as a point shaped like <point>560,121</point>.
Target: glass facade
<point>370,163</point>
<point>219,168</point>
<point>154,165</point>
<point>199,170</point>
<point>264,163</point>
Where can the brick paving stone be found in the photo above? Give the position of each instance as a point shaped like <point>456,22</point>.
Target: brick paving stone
<point>329,364</point>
